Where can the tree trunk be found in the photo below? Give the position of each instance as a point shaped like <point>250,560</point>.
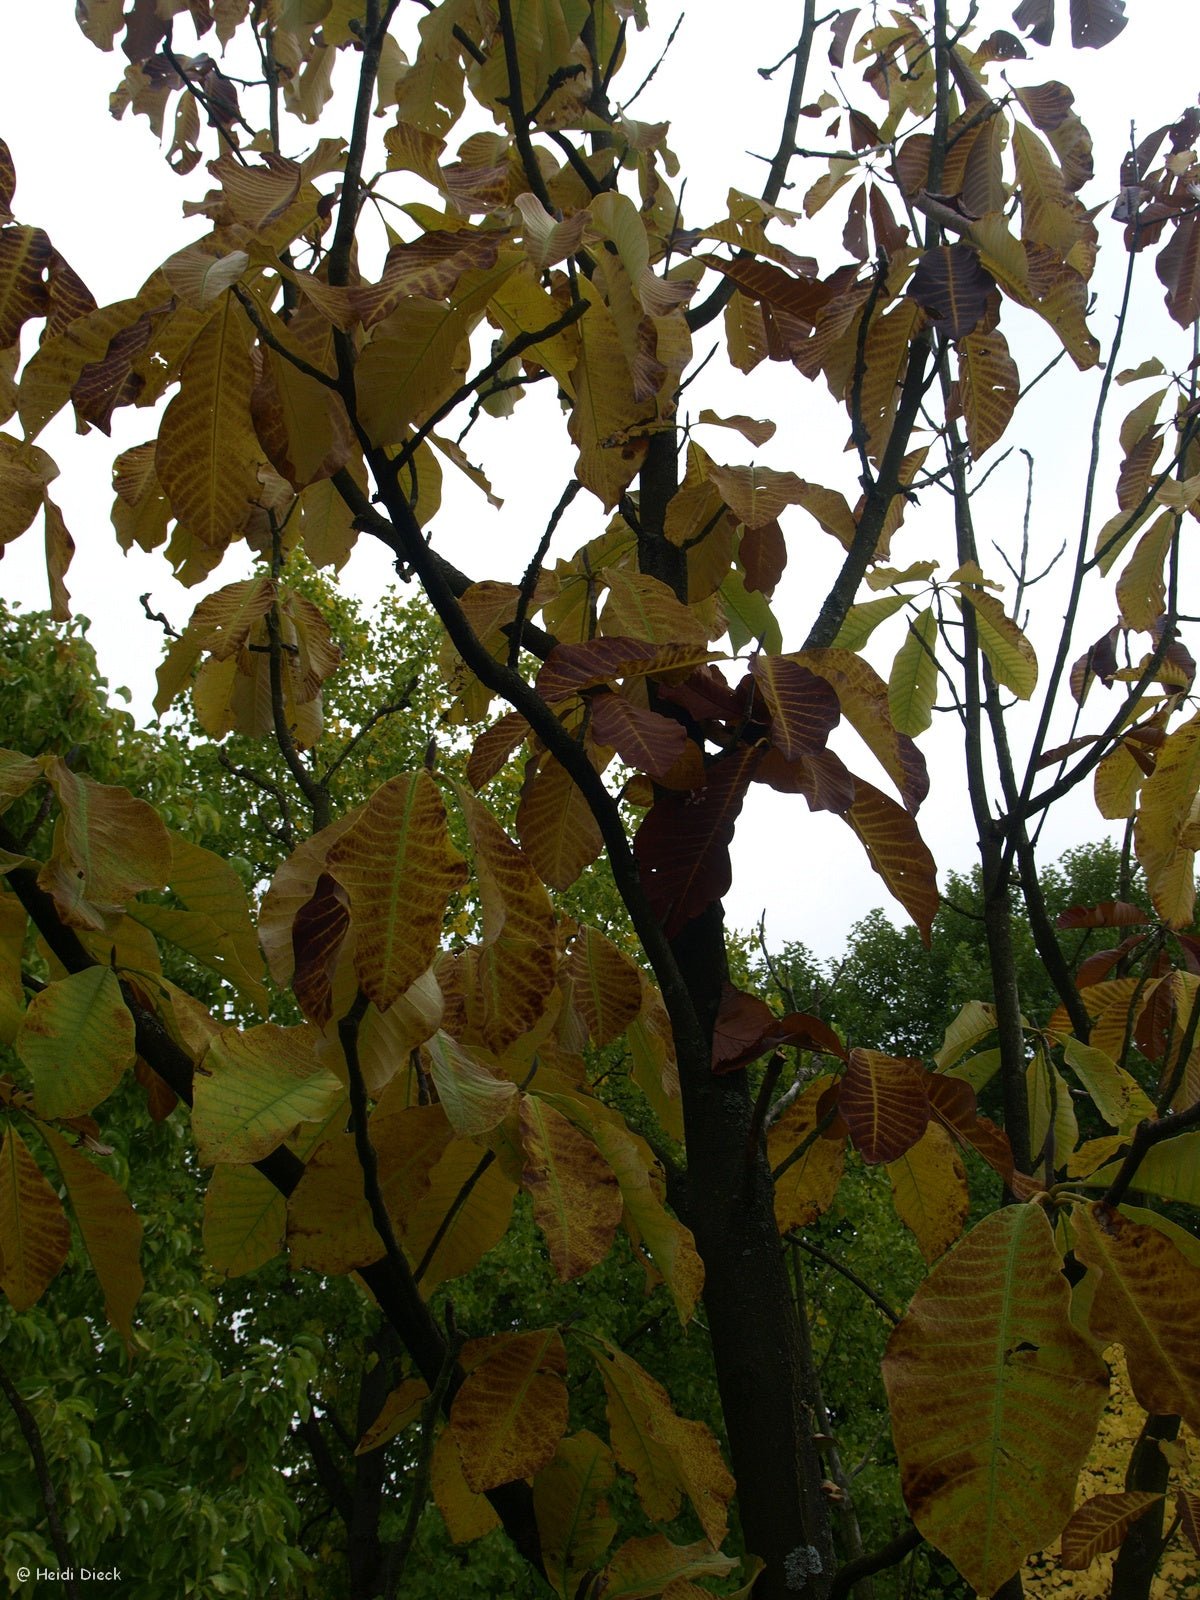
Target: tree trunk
<point>756,1343</point>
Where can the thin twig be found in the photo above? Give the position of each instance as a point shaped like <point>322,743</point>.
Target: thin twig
<point>376,717</point>
<point>649,78</point>
<point>529,581</point>
<point>846,1272</point>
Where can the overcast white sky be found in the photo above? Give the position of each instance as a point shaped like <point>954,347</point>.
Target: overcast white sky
<point>104,193</point>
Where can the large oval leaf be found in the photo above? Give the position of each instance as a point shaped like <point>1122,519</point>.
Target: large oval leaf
<point>994,1396</point>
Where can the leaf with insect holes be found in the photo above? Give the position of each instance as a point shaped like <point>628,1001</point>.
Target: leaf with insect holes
<point>994,1397</point>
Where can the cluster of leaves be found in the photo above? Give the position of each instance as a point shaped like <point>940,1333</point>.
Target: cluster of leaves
<point>376,1098</point>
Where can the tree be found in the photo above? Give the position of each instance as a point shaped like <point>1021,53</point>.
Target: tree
<point>429,1009</point>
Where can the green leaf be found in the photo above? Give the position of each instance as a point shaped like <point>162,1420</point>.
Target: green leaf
<point>1009,653</point>
<point>912,686</point>
<point>1118,1096</point>
<point>748,616</point>
<point>862,620</point>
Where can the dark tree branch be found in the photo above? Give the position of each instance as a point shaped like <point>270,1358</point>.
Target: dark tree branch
<point>700,316</point>
<point>878,1561</point>
<point>32,1434</point>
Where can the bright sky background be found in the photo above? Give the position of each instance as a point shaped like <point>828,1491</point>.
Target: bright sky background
<point>104,193</point>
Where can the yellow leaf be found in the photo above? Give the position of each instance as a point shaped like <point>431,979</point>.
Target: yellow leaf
<point>34,1234</point>
<point>929,1188</point>
<point>463,1213</point>
<point>574,1523</point>
<point>994,1397</point>
<point>608,424</point>
<point>555,824</point>
<point>1118,1096</point>
<point>667,1455</point>
<point>467,1516</point>
<point>576,1197</point>
<point>207,456</point>
<point>329,1224</point>
<point>912,685</point>
<point>670,1245</point>
<point>77,1039</point>
<point>511,1411</point>
<point>399,1411</point>
<point>808,1185</point>
<point>1051,1114</point>
<point>244,1220</point>
<point>107,847</point>
<point>215,925</point>
<point>473,1098</point>
<point>511,974</point>
<point>399,868</point>
<point>253,1089</point>
<point>111,1229</point>
<point>1166,805</point>
<point>647,1567</point>
<point>1141,588</point>
<point>1157,1329</point>
<point>1009,653</point>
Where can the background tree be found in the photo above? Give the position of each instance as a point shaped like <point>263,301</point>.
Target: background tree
<point>432,1012</point>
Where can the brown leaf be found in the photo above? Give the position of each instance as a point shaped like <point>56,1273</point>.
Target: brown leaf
<point>804,708</point>
<point>682,846</point>
<point>645,740</point>
<point>318,933</point>
<point>607,986</point>
<point>1105,914</point>
<point>951,284</point>
<point>897,852</point>
<point>1100,1524</point>
<point>763,556</point>
<point>1095,23</point>
<point>884,1103</point>
<point>1178,268</point>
